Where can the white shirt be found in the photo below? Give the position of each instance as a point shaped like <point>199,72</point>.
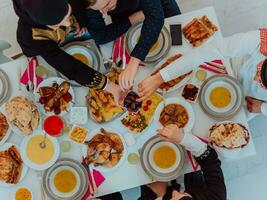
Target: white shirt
<point>242,44</point>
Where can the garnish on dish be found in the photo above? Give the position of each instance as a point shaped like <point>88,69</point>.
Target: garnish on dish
<point>229,135</point>
<point>104,149</point>
<point>174,114</point>
<point>198,31</point>
<point>23,114</point>
<point>3,126</point>
<point>11,165</point>
<point>190,92</point>
<point>55,98</point>
<point>170,84</point>
<point>78,134</point>
<point>102,106</point>
<point>136,122</point>
<point>130,102</point>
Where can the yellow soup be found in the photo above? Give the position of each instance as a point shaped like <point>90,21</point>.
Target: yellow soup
<point>23,194</point>
<point>38,155</point>
<point>220,97</point>
<point>81,58</point>
<point>165,157</point>
<point>65,181</point>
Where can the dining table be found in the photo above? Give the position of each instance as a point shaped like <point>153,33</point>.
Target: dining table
<point>128,175</point>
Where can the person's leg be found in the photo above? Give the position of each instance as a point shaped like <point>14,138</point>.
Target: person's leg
<point>170,8</point>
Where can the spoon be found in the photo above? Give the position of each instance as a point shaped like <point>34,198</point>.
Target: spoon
<point>43,144</point>
<point>164,92</point>
<point>29,85</point>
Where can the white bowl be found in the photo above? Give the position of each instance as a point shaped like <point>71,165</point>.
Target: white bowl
<point>185,104</point>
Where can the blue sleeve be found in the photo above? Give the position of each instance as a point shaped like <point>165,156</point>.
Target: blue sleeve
<point>103,33</point>
<point>154,20</point>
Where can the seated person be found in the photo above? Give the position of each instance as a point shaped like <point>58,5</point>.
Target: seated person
<point>209,186</point>
<point>252,75</point>
<point>43,25</point>
<point>124,14</point>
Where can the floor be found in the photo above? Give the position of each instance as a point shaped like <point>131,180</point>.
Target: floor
<point>245,179</point>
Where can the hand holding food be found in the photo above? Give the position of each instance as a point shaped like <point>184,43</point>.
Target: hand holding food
<point>171,133</point>
<point>149,85</point>
<point>126,79</point>
<point>254,105</point>
<point>116,91</point>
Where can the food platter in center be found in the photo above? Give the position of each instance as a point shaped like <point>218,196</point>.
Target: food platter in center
<point>158,50</point>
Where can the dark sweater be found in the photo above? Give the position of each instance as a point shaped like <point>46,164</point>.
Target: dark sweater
<point>154,11</point>
<point>211,186</point>
<point>49,49</point>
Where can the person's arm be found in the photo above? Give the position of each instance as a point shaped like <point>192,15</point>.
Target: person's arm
<point>211,168</point>
<point>69,66</point>
<point>103,33</point>
<point>241,44</point>
<point>152,25</point>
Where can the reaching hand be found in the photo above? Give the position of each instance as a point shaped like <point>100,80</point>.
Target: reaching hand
<point>126,78</point>
<point>149,85</point>
<point>171,133</point>
<point>78,30</point>
<point>117,92</point>
<point>254,105</point>
<point>177,195</point>
<point>109,7</point>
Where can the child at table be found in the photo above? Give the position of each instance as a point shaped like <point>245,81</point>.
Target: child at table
<point>253,73</point>
<point>43,26</point>
<point>209,186</point>
<point>124,14</point>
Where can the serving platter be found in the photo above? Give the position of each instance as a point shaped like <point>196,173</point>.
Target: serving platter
<point>86,49</point>
<point>80,172</point>
<point>234,88</point>
<point>5,146</point>
<point>124,153</point>
<point>163,43</point>
<point>4,139</point>
<point>48,83</point>
<point>149,167</point>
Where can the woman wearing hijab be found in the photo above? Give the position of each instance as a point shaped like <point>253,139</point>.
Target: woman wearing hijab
<point>124,14</point>
<point>43,25</point>
<point>253,73</point>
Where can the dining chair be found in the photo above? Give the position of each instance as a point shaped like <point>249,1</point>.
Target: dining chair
<point>3,46</point>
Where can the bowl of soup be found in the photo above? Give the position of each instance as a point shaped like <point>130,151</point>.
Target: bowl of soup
<point>164,157</point>
<point>65,181</point>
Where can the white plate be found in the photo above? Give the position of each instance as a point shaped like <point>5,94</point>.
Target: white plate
<point>24,167</point>
<point>226,85</point>
<point>184,103</point>
<point>33,165</point>
<point>124,154</point>
<point>14,128</point>
<point>229,153</point>
<point>178,85</point>
<point>152,152</point>
<point>4,139</point>
<point>53,187</point>
<point>48,83</point>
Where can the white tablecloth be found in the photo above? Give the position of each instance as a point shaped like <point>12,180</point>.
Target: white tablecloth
<point>127,176</point>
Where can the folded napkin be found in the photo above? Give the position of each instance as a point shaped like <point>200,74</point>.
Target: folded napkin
<point>214,68</point>
<point>119,47</point>
<point>191,158</point>
<point>99,179</point>
<point>24,78</point>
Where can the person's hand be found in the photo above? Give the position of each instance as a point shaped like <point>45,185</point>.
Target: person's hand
<point>126,78</point>
<point>177,195</point>
<point>149,85</point>
<point>171,133</point>
<point>109,7</point>
<point>137,17</point>
<point>117,92</point>
<point>254,105</point>
<point>78,32</point>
